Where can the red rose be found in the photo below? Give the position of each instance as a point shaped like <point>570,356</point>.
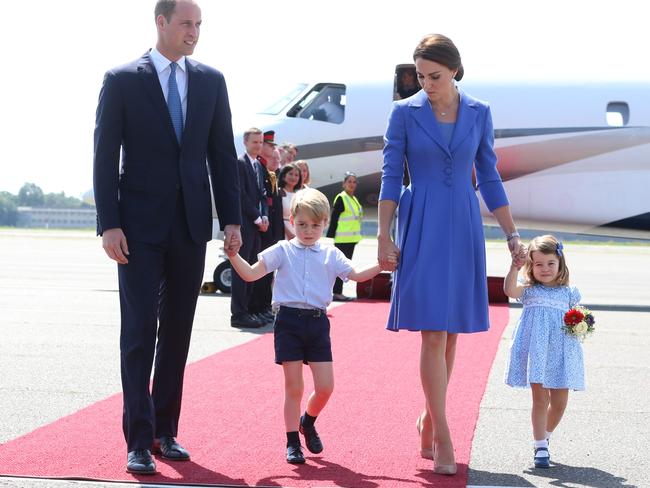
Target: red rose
<point>573,317</point>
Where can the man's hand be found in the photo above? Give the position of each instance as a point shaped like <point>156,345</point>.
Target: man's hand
<point>264,225</point>
<point>232,239</point>
<point>114,244</point>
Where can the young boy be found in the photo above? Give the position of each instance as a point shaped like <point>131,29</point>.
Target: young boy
<point>301,293</point>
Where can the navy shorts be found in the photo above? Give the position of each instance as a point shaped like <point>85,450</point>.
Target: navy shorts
<point>302,335</point>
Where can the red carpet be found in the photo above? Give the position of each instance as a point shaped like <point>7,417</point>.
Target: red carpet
<point>232,417</point>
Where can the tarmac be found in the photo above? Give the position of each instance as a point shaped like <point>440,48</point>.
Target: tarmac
<point>59,320</point>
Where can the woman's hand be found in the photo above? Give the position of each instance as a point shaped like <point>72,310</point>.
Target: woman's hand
<point>387,254</point>
<point>518,252</point>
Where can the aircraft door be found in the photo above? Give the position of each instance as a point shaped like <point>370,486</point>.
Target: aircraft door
<point>406,82</point>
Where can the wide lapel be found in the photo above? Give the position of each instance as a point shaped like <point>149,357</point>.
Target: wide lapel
<point>193,80</point>
<point>426,119</point>
<point>464,120</point>
<point>151,83</point>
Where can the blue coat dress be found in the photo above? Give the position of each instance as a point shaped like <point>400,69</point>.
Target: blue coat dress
<point>440,283</point>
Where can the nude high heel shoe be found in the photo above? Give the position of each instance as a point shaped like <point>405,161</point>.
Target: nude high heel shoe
<point>445,469</point>
<point>424,452</point>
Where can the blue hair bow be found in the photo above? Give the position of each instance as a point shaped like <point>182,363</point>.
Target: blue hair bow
<point>559,249</point>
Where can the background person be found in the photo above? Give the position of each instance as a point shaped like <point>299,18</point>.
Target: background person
<point>288,153</point>
<point>440,287</point>
<point>407,84</point>
<point>255,221</point>
<point>290,181</point>
<point>154,214</point>
<point>304,171</point>
<point>345,226</point>
<point>270,160</point>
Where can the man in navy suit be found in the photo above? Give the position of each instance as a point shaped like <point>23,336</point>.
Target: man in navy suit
<point>167,115</point>
<point>254,222</point>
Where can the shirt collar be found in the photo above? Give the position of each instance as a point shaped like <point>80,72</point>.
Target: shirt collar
<point>316,247</point>
<point>161,63</point>
<point>251,158</point>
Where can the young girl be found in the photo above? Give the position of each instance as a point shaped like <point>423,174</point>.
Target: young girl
<point>542,355</point>
<point>302,290</point>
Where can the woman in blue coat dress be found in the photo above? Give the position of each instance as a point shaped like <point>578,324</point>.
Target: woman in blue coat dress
<point>440,285</point>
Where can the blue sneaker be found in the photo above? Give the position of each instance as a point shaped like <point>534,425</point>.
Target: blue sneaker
<point>542,457</point>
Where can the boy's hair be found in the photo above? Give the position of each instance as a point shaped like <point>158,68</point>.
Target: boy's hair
<point>547,244</point>
<point>311,201</point>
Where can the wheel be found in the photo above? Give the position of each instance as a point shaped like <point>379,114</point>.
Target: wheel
<point>223,277</point>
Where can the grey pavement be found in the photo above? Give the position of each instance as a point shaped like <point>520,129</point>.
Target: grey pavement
<point>59,320</point>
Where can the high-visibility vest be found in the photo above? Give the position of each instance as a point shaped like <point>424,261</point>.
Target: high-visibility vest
<point>349,226</point>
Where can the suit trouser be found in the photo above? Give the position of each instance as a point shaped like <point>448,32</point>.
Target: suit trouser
<point>348,250</point>
<point>263,288</point>
<point>240,290</point>
<point>159,288</point>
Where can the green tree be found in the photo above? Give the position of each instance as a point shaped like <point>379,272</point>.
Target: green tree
<point>59,200</point>
<point>31,195</point>
<point>8,211</point>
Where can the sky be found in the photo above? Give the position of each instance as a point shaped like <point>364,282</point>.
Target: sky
<point>57,52</point>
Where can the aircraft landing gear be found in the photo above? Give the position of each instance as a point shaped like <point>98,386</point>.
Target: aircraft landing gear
<point>223,277</point>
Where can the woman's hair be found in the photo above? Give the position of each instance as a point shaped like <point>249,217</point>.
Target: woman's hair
<point>311,201</point>
<point>440,49</point>
<point>283,175</point>
<point>303,164</point>
<point>547,244</point>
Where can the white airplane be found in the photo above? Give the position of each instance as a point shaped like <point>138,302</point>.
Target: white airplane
<point>574,157</point>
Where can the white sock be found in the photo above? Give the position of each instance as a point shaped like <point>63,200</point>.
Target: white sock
<point>541,443</point>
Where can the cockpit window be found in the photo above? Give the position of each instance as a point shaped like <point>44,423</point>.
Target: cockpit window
<point>325,102</point>
<point>277,106</point>
<point>406,82</point>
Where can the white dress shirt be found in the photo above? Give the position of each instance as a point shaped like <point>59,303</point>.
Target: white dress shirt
<point>305,274</point>
<point>162,65</point>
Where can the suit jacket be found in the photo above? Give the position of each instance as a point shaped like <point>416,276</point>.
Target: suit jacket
<point>253,198</point>
<point>132,116</point>
<point>275,231</point>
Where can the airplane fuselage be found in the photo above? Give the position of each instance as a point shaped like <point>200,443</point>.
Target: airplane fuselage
<point>573,157</point>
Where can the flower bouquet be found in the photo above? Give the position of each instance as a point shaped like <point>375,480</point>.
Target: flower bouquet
<point>578,322</point>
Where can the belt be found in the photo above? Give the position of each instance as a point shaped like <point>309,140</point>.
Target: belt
<point>303,312</point>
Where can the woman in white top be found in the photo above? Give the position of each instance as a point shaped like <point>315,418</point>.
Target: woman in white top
<point>290,181</point>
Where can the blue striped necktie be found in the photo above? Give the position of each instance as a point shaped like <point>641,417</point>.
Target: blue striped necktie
<point>174,103</point>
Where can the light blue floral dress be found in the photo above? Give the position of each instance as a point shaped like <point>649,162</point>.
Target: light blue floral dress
<point>541,352</point>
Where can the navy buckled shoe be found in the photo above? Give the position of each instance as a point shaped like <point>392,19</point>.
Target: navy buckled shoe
<point>542,457</point>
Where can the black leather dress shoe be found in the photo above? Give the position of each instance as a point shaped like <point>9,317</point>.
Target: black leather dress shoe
<point>245,321</point>
<point>339,297</point>
<point>140,461</point>
<point>169,449</point>
<point>294,454</point>
<point>265,318</point>
<point>312,441</point>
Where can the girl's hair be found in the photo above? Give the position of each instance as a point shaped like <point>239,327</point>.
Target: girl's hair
<point>547,244</point>
<point>283,176</point>
<point>440,49</point>
<point>311,201</point>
